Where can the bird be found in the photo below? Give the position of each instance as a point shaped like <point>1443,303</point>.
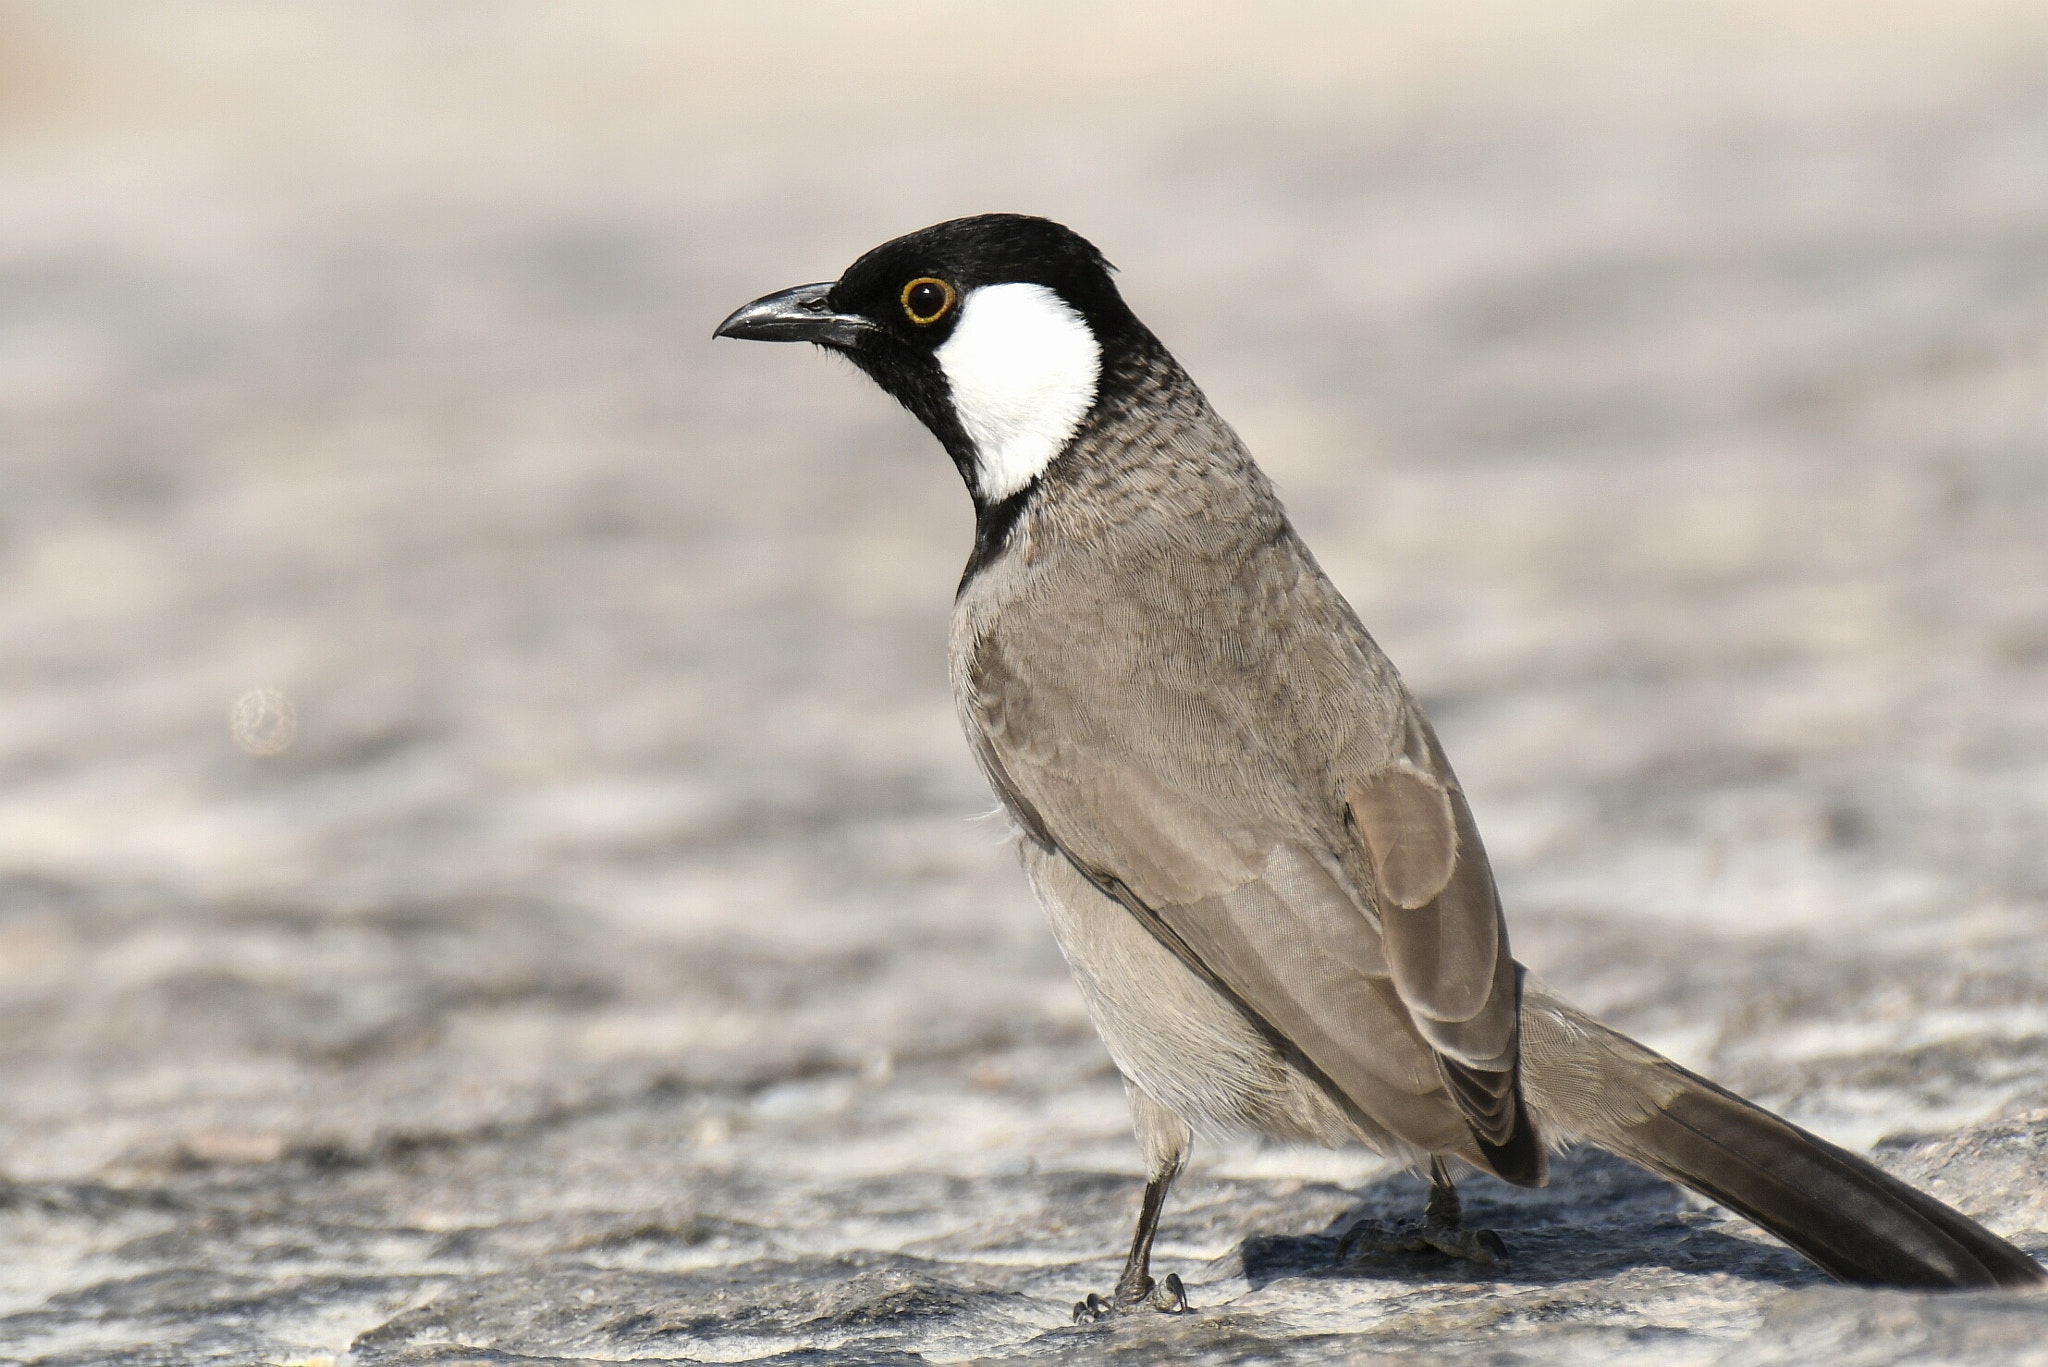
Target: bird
<point>1253,854</point>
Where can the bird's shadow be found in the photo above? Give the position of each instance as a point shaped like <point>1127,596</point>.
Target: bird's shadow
<point>1600,1216</point>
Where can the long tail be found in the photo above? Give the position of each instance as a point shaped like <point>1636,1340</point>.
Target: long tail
<point>1584,1081</point>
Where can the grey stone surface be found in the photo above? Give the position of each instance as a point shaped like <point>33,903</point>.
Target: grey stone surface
<point>612,968</point>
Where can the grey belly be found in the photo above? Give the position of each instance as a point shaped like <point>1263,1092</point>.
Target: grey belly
<point>1185,1044</point>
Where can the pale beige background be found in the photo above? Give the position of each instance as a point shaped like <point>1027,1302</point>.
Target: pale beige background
<point>610,966</point>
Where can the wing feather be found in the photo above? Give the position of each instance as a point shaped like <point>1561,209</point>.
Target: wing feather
<point>1266,798</point>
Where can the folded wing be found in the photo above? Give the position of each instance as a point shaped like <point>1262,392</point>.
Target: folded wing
<point>1399,997</point>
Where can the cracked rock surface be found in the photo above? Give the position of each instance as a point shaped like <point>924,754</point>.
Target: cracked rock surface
<point>593,952</point>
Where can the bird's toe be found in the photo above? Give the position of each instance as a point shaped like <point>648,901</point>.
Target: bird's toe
<point>1370,1240</point>
<point>1166,1296</point>
<point>1480,1247</point>
<point>1093,1309</point>
<point>1169,1297</point>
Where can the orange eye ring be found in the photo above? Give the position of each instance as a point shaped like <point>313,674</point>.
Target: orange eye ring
<point>927,299</point>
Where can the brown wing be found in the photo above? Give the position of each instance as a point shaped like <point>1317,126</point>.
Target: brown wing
<point>1446,940</point>
<point>1198,777</point>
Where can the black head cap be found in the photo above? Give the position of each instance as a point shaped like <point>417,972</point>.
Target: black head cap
<point>963,254</point>
<point>910,287</point>
<point>899,303</point>
<point>893,310</point>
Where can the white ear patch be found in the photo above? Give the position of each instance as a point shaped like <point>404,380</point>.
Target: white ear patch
<point>1022,366</point>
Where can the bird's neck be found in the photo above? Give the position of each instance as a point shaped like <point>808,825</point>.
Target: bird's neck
<point>1150,457</point>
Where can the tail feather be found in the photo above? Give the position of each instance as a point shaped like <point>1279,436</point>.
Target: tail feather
<point>1852,1219</point>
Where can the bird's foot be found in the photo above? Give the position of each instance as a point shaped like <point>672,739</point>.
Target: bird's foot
<point>1168,1297</point>
<point>1374,1238</point>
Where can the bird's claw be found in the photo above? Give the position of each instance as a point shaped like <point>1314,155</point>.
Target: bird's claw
<point>1480,1247</point>
<point>1167,1296</point>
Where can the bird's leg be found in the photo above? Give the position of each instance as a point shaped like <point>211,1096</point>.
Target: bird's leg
<point>1136,1290</point>
<point>1442,1230</point>
<point>1164,1137</point>
<point>1135,1287</point>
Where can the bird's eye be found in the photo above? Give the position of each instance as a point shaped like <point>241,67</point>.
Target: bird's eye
<point>926,300</point>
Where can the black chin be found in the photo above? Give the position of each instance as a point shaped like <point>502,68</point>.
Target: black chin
<point>913,379</point>
<point>993,523</point>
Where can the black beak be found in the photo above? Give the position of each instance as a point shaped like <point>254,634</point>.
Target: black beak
<point>798,315</point>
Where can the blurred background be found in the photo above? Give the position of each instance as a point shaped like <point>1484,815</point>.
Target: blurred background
<point>486,856</point>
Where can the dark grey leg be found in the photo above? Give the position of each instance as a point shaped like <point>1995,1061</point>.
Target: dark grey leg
<point>1443,1206</point>
<point>1135,1286</point>
<point>1163,1138</point>
<point>1136,1290</point>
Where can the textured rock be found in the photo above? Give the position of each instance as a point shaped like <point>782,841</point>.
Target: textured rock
<point>585,951</point>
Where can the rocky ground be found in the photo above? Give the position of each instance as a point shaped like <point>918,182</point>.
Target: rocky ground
<point>604,958</point>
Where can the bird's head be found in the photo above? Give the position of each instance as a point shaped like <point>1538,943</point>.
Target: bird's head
<point>993,330</point>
